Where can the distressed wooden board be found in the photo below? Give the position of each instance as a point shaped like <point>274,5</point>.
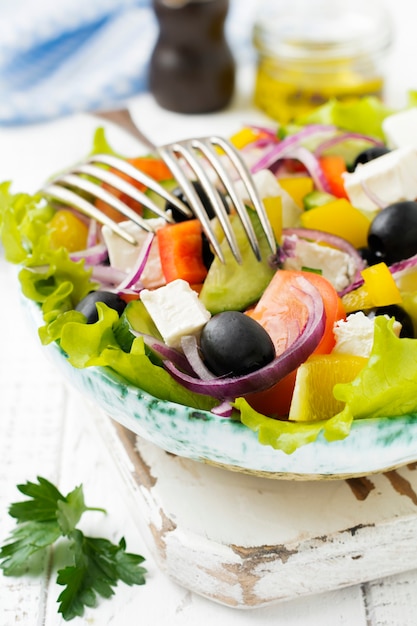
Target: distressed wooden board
<point>249,542</point>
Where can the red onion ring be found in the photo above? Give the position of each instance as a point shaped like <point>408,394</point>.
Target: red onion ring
<point>133,277</point>
<point>265,130</point>
<point>373,196</point>
<point>92,236</point>
<point>312,165</point>
<point>289,143</point>
<point>189,346</point>
<point>333,141</point>
<point>107,275</point>
<point>224,409</point>
<point>93,255</point>
<point>165,351</point>
<point>405,265</point>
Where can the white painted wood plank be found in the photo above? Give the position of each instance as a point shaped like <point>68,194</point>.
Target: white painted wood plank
<point>392,600</point>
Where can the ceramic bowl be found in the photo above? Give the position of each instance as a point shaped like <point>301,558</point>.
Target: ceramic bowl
<point>373,445</point>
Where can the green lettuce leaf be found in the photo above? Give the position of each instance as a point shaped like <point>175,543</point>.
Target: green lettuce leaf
<point>49,276</point>
<point>412,98</point>
<point>280,434</point>
<point>23,225</point>
<point>361,116</point>
<point>386,387</point>
<point>100,143</point>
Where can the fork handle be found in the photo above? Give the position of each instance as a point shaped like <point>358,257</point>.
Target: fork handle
<point>123,119</point>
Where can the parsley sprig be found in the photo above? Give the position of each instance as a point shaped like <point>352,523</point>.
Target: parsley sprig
<point>97,565</point>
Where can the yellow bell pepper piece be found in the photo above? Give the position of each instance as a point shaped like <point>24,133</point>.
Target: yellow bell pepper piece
<point>339,218</point>
<point>297,187</point>
<point>381,285</point>
<point>379,289</point>
<point>273,208</point>
<point>243,137</point>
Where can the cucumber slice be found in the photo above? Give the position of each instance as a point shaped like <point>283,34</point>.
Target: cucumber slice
<point>136,317</point>
<point>157,199</point>
<point>317,198</point>
<point>233,286</point>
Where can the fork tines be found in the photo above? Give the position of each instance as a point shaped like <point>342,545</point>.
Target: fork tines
<point>83,182</point>
<point>190,152</point>
<point>190,160</point>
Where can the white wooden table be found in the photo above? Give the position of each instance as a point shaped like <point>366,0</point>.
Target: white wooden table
<point>45,430</point>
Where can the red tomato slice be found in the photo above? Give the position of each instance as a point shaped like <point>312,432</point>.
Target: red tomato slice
<point>278,314</point>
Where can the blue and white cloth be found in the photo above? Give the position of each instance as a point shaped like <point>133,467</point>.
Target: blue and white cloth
<point>64,56</point>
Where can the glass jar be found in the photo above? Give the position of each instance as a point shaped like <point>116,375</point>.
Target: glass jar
<point>310,51</point>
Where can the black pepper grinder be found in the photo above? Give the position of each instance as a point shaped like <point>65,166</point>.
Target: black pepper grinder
<point>192,69</point>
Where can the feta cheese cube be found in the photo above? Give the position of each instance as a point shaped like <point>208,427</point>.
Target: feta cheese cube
<point>400,129</point>
<point>176,311</point>
<point>123,255</point>
<point>390,178</point>
<point>355,335</point>
<point>336,266</point>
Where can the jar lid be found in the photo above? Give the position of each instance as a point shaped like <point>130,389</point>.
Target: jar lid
<point>316,29</point>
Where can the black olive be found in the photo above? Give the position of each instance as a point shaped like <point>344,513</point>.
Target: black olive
<point>178,193</point>
<point>87,306</point>
<point>393,310</point>
<point>369,155</point>
<point>369,257</point>
<point>393,232</point>
<point>207,252</point>
<point>234,344</point>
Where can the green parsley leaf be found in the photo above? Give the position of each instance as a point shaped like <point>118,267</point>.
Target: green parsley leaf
<point>42,507</point>
<point>98,564</point>
<point>127,566</point>
<point>70,509</point>
<point>29,537</point>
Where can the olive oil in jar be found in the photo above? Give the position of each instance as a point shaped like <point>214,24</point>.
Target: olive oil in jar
<point>310,51</point>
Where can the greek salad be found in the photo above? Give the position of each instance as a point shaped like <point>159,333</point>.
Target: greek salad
<point>301,342</point>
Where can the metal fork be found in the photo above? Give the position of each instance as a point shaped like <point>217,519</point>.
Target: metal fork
<point>185,161</point>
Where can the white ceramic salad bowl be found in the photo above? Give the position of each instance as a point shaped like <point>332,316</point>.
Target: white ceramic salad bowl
<point>373,445</point>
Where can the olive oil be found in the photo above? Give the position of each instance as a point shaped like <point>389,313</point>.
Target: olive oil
<point>286,93</point>
<point>315,50</point>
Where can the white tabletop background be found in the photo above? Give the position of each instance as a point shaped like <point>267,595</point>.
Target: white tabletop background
<point>44,430</point>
